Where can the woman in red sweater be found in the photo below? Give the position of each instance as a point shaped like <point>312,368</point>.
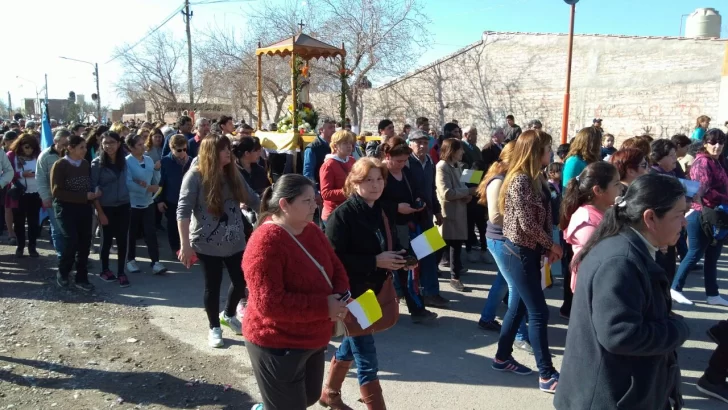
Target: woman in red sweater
<point>334,171</point>
<point>292,306</point>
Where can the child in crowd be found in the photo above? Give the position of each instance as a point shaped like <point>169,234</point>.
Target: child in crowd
<point>608,146</point>
<point>553,174</point>
<point>561,152</point>
<point>586,199</point>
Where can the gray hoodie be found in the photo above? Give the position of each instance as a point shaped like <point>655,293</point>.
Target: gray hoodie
<point>210,235</point>
<point>112,184</point>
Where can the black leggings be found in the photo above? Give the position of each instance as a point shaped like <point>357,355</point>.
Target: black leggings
<point>172,230</point>
<point>28,209</point>
<point>452,252</point>
<point>143,217</point>
<point>118,227</point>
<point>74,222</point>
<point>288,379</point>
<point>477,217</point>
<point>212,266</point>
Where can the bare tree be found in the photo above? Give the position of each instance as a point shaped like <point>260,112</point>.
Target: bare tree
<point>154,71</point>
<point>382,38</point>
<point>230,71</point>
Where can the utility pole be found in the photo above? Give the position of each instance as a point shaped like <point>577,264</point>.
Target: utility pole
<point>45,103</point>
<point>98,95</point>
<point>187,15</point>
<point>10,105</point>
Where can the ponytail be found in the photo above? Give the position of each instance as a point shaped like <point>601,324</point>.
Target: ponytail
<point>580,190</point>
<point>657,192</point>
<point>288,187</point>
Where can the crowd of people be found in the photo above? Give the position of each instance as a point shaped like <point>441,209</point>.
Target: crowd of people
<point>623,227</point>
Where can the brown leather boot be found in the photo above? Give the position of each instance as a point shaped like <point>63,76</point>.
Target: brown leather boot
<point>331,393</point>
<point>371,395</point>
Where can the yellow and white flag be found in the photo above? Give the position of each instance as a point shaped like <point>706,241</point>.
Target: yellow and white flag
<point>470,176</point>
<point>427,243</point>
<point>366,309</point>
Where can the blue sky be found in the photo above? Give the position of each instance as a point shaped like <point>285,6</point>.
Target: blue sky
<point>455,24</point>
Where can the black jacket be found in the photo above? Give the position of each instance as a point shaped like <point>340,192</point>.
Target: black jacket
<point>356,232</point>
<point>621,342</point>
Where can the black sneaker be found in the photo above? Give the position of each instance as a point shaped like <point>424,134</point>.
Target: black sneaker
<point>436,301</point>
<point>423,316</point>
<point>717,391</point>
<point>19,253</point>
<point>523,345</point>
<point>33,253</point>
<point>491,325</point>
<point>63,283</point>
<point>84,286</point>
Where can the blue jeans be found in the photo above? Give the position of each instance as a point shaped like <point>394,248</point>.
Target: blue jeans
<point>361,349</point>
<point>699,245</point>
<point>502,285</point>
<point>428,275</point>
<point>56,235</point>
<point>556,236</point>
<point>530,298</point>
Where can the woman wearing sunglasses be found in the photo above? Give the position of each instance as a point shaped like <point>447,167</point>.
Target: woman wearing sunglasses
<point>709,170</point>
<point>173,168</point>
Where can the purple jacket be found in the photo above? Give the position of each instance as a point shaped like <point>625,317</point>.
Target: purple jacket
<point>713,181</point>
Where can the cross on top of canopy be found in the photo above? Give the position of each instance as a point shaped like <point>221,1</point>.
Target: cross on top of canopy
<point>304,46</point>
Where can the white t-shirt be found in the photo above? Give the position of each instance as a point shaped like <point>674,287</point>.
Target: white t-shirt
<point>30,183</point>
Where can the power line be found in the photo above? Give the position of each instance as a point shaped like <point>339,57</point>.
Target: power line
<point>170,17</point>
<point>205,2</point>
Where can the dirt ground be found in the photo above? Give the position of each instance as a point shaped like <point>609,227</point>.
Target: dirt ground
<point>63,349</point>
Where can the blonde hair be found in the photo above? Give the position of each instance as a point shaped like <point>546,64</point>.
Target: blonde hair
<point>342,137</point>
<point>360,171</point>
<point>213,180</point>
<point>587,144</point>
<point>526,159</point>
<point>118,127</point>
<point>499,167</point>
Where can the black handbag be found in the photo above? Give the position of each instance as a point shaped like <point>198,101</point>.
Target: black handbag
<point>16,191</point>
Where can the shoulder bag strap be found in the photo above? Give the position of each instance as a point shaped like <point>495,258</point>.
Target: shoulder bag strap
<point>315,262</point>
<point>387,231</point>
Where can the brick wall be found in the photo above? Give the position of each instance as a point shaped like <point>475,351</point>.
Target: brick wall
<point>635,84</point>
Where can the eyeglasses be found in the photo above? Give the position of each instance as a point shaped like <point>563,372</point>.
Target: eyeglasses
<point>181,150</point>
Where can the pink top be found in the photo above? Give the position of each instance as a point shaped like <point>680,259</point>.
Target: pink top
<point>582,225</point>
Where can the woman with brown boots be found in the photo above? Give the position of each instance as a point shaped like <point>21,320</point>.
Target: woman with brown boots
<point>360,230</point>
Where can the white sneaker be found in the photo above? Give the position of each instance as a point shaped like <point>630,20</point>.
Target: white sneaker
<point>258,406</point>
<point>132,266</point>
<point>232,322</point>
<point>717,300</point>
<point>158,268</point>
<point>214,338</point>
<point>681,299</point>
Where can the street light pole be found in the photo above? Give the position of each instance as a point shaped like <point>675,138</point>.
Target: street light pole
<point>98,94</point>
<point>37,93</point>
<point>96,74</point>
<point>567,94</point>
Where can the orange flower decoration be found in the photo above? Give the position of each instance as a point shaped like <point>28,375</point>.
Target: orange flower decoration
<point>304,71</point>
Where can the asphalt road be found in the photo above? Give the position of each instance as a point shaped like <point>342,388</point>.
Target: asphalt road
<point>444,366</point>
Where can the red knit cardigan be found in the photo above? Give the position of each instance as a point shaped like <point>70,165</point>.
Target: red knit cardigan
<point>287,305</point>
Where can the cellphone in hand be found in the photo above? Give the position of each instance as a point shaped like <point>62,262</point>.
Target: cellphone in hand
<point>410,260</point>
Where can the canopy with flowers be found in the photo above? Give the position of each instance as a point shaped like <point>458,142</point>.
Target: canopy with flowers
<point>301,48</point>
